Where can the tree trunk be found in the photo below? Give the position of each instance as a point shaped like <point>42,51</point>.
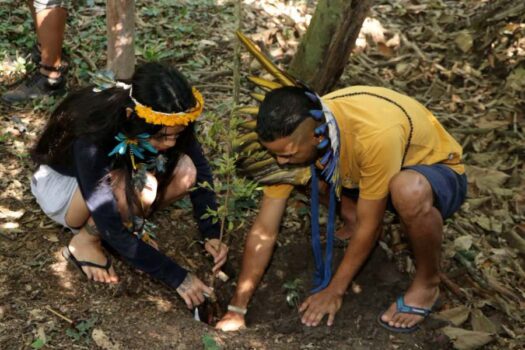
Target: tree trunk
<point>325,48</point>
<point>120,20</point>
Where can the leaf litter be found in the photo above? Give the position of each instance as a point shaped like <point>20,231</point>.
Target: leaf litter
<point>443,53</point>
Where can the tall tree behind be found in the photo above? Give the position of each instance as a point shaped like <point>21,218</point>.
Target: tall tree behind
<point>325,48</point>
<point>120,20</point>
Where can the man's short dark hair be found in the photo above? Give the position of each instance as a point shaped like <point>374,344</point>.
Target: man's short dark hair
<point>282,111</point>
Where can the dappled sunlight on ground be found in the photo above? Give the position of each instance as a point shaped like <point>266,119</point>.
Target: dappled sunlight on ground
<point>295,10</point>
<point>64,276</point>
<point>162,304</point>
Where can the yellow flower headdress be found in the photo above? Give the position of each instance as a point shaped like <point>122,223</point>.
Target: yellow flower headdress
<point>169,119</point>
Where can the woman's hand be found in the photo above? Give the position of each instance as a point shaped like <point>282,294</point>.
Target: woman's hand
<point>219,251</point>
<point>192,290</point>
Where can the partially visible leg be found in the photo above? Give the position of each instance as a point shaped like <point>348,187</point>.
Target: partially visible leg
<point>184,178</point>
<point>48,80</point>
<point>77,213</point>
<point>50,27</point>
<point>147,197</point>
<point>348,211</point>
<point>86,244</point>
<point>349,217</point>
<point>412,197</point>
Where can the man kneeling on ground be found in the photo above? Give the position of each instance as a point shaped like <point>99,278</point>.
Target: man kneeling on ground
<point>390,153</point>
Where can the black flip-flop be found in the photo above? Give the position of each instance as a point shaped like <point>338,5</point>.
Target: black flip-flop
<point>402,308</point>
<point>66,253</point>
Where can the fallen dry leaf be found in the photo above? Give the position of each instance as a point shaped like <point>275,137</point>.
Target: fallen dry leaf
<point>457,315</point>
<point>481,323</point>
<point>463,242</point>
<point>486,180</point>
<point>464,41</point>
<point>102,340</point>
<point>467,340</point>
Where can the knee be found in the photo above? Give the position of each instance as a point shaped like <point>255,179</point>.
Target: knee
<point>185,174</point>
<point>411,194</point>
<point>147,195</point>
<point>149,192</point>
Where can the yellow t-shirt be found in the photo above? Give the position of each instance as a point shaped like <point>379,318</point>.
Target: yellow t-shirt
<point>374,132</point>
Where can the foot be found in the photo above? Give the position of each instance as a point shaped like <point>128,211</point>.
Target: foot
<point>88,248</point>
<point>416,297</point>
<point>35,86</point>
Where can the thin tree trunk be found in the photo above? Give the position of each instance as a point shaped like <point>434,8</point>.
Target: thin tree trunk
<point>325,48</point>
<point>120,20</point>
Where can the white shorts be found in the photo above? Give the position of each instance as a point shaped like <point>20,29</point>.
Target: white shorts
<point>53,192</point>
<point>41,5</point>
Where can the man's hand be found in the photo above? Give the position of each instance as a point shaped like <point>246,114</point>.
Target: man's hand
<point>219,252</point>
<point>320,304</point>
<point>230,322</point>
<point>192,291</point>
<point>329,300</point>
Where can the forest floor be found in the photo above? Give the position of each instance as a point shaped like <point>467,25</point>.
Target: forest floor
<point>472,78</point>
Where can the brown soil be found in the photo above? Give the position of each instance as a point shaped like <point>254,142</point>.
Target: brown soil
<point>140,313</point>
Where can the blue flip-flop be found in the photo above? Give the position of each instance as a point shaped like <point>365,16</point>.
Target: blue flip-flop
<point>405,309</point>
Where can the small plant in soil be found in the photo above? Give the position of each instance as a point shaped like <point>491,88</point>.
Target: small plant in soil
<point>39,343</point>
<point>210,343</point>
<point>81,331</point>
<point>293,291</point>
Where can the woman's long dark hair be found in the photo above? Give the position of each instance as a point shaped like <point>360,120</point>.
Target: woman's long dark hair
<point>99,116</point>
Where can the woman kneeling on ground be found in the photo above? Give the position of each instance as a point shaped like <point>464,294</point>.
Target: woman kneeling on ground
<point>109,159</point>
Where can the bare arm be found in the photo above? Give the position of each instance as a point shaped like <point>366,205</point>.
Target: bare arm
<point>328,301</point>
<point>258,249</point>
<point>257,253</point>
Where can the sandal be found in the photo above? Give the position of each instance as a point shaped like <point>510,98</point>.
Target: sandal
<point>66,253</point>
<point>401,307</point>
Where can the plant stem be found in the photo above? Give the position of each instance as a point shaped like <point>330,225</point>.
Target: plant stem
<point>236,93</point>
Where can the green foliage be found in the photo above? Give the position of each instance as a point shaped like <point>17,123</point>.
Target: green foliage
<point>38,343</point>
<point>5,137</point>
<point>154,52</point>
<point>81,332</point>
<point>237,195</point>
<point>47,103</point>
<point>184,203</point>
<point>293,291</point>
<point>210,343</point>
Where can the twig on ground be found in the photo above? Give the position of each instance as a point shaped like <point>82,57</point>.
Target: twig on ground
<point>3,235</point>
<point>453,287</point>
<point>56,313</point>
<point>211,76</point>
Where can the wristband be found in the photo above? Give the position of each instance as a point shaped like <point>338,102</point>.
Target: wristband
<point>238,310</point>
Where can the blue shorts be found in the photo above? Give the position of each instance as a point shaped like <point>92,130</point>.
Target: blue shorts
<point>449,188</point>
